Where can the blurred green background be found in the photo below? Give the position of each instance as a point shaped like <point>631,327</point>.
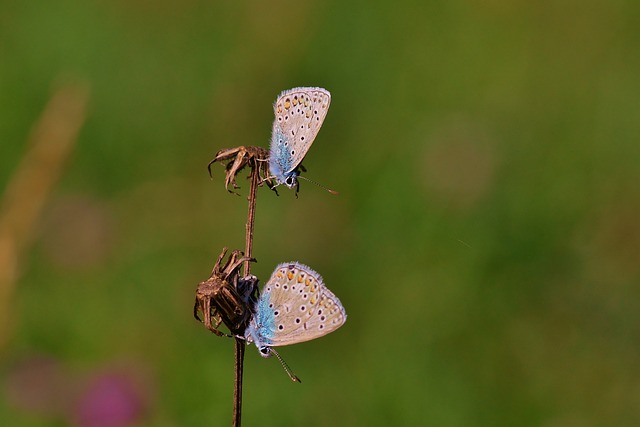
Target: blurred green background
<point>485,242</point>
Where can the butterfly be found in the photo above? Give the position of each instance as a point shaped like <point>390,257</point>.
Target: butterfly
<point>299,114</point>
<point>294,306</point>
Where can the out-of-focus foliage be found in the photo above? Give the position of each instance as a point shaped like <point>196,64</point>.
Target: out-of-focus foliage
<point>485,242</point>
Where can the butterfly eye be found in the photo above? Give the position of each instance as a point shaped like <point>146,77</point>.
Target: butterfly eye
<point>265,351</point>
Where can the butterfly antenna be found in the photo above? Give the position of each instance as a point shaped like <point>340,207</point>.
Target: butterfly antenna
<point>286,367</point>
<point>334,192</point>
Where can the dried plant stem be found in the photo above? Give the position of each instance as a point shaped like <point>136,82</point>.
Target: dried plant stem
<point>239,343</point>
<point>237,390</point>
<point>251,216</point>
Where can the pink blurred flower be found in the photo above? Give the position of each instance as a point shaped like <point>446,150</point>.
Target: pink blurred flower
<point>110,399</point>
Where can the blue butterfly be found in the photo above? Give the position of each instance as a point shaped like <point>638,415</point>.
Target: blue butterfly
<point>294,306</point>
<point>299,113</point>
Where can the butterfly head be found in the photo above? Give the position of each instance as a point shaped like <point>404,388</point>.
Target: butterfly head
<point>291,180</point>
<point>265,351</point>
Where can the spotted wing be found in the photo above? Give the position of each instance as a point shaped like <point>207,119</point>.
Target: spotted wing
<point>303,307</point>
<point>299,114</point>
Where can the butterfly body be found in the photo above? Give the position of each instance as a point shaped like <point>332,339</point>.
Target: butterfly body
<point>294,306</point>
<point>299,114</point>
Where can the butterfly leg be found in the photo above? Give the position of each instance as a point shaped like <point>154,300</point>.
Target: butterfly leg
<point>263,167</point>
<point>269,181</point>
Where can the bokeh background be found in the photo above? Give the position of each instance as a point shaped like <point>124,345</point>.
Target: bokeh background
<point>485,242</point>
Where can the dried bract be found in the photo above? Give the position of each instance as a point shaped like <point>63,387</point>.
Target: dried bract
<point>225,297</point>
<point>238,158</point>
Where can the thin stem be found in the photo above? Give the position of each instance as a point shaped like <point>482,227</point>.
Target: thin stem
<point>251,216</point>
<point>237,389</point>
<point>239,343</point>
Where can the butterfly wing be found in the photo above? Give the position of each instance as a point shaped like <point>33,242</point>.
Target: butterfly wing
<point>299,114</point>
<point>295,306</point>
